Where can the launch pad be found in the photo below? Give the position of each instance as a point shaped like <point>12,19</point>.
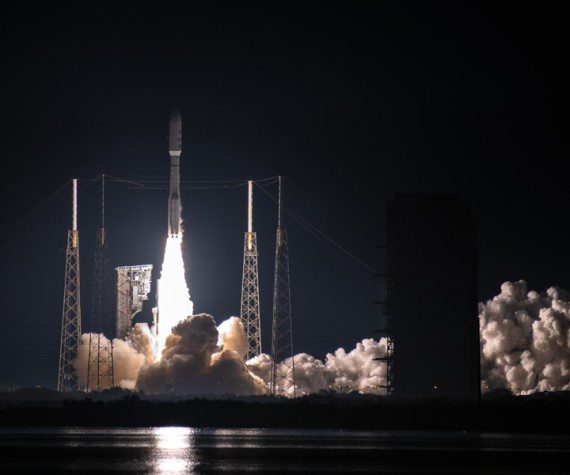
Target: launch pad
<point>133,286</point>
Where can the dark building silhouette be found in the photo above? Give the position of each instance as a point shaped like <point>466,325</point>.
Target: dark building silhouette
<point>433,272</point>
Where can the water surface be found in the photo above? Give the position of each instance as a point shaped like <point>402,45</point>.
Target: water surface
<point>188,450</point>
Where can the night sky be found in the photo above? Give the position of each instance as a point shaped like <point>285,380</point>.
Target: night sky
<point>350,103</point>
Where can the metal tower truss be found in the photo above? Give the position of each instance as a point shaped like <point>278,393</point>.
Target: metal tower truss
<point>282,361</point>
<point>71,313</point>
<point>249,309</point>
<point>100,363</point>
<point>133,287</point>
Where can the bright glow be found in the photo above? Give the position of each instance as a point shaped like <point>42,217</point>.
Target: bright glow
<point>173,451</point>
<point>174,303</point>
<point>173,437</point>
<point>172,465</point>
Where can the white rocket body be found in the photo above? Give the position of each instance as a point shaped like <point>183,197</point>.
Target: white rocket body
<point>175,150</point>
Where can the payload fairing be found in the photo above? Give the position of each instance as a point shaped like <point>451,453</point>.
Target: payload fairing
<point>175,149</point>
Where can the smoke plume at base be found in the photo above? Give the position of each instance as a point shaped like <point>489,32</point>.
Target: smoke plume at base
<point>202,358</point>
<point>193,362</point>
<point>525,340</point>
<point>129,356</point>
<point>357,368</point>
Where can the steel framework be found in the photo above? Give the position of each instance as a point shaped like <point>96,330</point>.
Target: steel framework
<point>71,314</point>
<point>249,309</point>
<point>100,373</point>
<point>282,360</point>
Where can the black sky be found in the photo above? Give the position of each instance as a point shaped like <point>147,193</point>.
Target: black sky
<point>351,103</point>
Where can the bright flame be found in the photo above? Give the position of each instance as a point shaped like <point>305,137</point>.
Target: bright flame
<point>174,302</point>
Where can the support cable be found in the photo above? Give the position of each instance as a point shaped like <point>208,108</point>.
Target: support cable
<point>321,236</point>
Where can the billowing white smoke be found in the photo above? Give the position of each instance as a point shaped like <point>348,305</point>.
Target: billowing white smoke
<point>355,368</point>
<point>129,356</point>
<point>232,336</point>
<point>201,359</point>
<point>525,342</point>
<point>174,303</point>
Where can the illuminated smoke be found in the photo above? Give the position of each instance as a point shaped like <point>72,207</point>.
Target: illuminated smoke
<point>525,347</point>
<point>193,361</point>
<point>200,358</point>
<point>129,356</point>
<point>232,336</point>
<point>174,303</point>
<point>357,368</point>
<point>525,339</point>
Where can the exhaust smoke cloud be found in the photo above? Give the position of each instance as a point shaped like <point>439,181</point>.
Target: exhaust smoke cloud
<point>193,361</point>
<point>525,339</point>
<point>202,358</point>
<point>129,356</point>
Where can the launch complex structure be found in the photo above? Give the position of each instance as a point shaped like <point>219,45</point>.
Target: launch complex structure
<point>134,284</point>
<point>71,313</point>
<point>249,310</point>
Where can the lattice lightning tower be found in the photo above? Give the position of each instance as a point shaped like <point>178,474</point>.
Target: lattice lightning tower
<point>100,364</point>
<point>282,362</point>
<point>249,311</point>
<point>71,314</point>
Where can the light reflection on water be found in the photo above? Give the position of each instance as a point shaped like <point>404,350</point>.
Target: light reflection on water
<point>190,450</point>
<point>173,451</point>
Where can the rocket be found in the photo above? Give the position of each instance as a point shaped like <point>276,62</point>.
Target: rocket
<point>174,149</point>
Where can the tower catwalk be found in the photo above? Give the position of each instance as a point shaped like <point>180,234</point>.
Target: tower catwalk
<point>282,362</point>
<point>100,364</point>
<point>249,311</point>
<point>71,314</point>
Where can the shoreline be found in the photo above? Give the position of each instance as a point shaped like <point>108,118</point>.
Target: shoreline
<point>514,415</point>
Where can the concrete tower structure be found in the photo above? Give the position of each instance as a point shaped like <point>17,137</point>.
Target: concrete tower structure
<point>433,273</point>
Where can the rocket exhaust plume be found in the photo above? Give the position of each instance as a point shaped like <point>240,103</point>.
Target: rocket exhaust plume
<point>174,303</point>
